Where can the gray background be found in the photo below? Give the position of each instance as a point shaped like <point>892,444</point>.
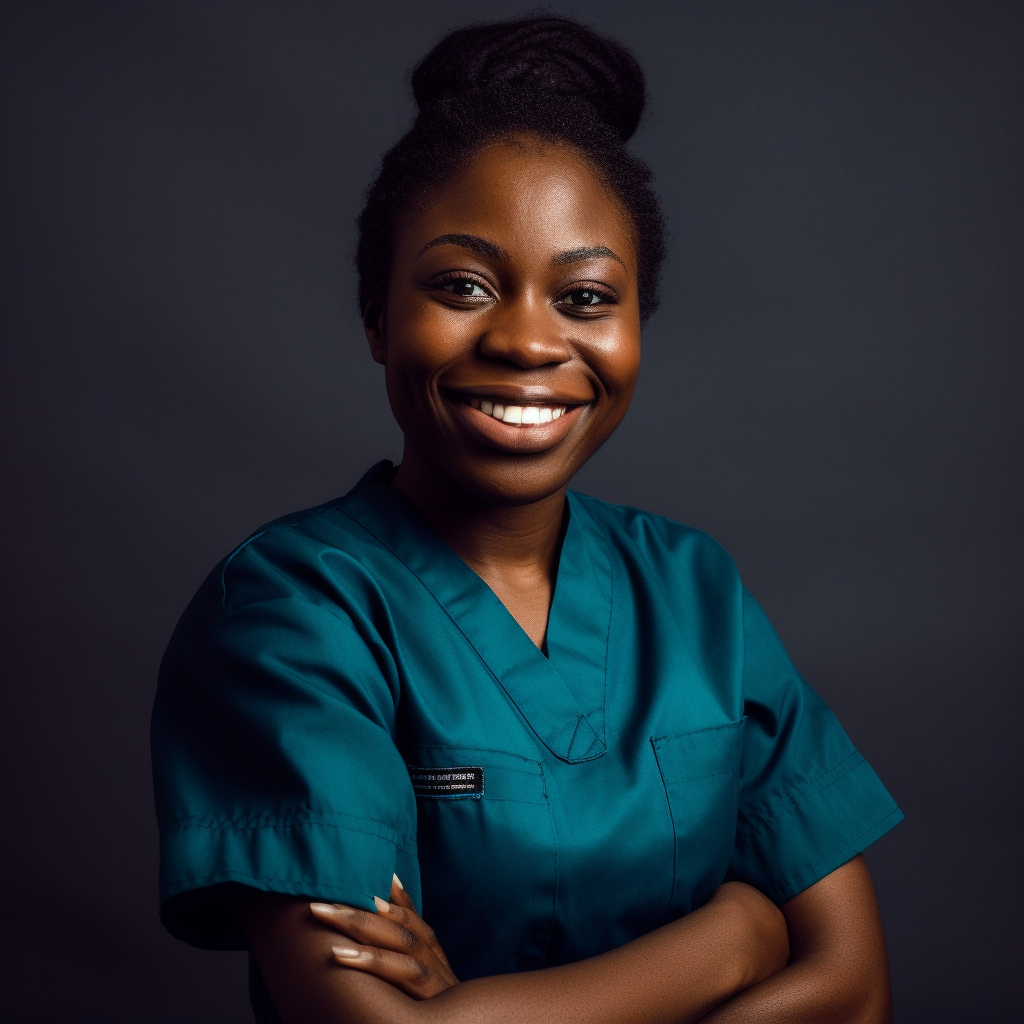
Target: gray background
<point>832,389</point>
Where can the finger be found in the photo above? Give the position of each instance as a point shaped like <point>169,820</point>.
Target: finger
<point>339,916</point>
<point>381,930</point>
<point>405,972</point>
<point>399,896</point>
<point>372,929</point>
<point>427,946</point>
<point>401,909</point>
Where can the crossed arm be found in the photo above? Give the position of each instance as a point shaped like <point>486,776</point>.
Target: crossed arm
<point>725,963</point>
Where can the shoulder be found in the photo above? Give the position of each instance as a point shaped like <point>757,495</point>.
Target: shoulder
<point>307,564</point>
<point>293,547</point>
<point>667,547</point>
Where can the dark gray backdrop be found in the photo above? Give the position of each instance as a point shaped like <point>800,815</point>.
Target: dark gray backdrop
<point>832,389</point>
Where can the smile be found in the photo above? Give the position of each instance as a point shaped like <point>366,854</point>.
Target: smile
<point>517,415</point>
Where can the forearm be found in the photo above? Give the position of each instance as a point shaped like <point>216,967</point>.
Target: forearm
<point>839,972</point>
<point>811,991</point>
<point>675,974</point>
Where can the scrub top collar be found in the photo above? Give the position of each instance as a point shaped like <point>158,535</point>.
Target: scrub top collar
<point>569,720</point>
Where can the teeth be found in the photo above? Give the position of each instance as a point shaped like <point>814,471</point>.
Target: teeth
<point>518,415</point>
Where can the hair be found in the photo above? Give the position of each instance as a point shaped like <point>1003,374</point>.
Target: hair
<point>549,77</point>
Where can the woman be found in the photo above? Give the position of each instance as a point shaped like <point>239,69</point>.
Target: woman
<point>564,725</point>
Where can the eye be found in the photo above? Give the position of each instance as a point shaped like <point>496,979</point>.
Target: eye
<point>586,297</point>
<point>465,287</point>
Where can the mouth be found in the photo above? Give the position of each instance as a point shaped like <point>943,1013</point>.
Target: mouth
<point>517,415</point>
<point>513,425</point>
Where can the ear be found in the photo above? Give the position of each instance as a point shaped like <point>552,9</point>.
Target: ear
<point>375,327</point>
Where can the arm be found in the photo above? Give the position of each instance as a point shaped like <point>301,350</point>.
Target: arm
<point>838,972</point>
<point>674,975</point>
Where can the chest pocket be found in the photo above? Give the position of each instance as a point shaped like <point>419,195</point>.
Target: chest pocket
<point>701,773</point>
<point>481,853</point>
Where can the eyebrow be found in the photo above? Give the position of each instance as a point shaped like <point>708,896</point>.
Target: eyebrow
<point>591,252</point>
<point>472,242</point>
<point>480,245</point>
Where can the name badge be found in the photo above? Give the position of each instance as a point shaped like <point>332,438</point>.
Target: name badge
<point>446,783</point>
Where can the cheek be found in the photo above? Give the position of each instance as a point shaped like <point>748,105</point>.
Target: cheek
<point>617,362</point>
<point>423,336</point>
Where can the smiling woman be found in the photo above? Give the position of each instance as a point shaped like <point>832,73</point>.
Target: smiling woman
<point>527,306</point>
<point>565,725</point>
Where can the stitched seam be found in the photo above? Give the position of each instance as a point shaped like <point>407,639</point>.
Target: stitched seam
<point>792,798</point>
<point>227,561</point>
<point>697,778</point>
<point>778,889</point>
<point>603,738</point>
<point>539,765</point>
<point>525,719</point>
<point>449,796</point>
<point>451,618</point>
<point>712,772</point>
<point>515,800</point>
<point>572,739</point>
<point>231,873</point>
<point>699,732</point>
<point>554,850</point>
<point>491,799</point>
<point>834,774</point>
<point>292,589</point>
<point>316,511</point>
<point>671,818</point>
<point>386,832</point>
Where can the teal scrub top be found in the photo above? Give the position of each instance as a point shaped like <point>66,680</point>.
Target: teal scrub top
<point>345,698</point>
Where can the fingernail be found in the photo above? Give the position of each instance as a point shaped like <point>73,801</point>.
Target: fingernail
<point>398,882</point>
<point>347,953</point>
<point>332,908</point>
<point>382,905</point>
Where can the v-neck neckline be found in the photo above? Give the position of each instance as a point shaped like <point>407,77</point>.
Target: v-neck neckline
<point>568,719</point>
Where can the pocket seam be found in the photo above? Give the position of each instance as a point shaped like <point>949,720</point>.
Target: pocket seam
<point>698,732</point>
<point>660,745</point>
<point>658,741</point>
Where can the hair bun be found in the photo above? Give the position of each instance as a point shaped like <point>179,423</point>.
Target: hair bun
<point>539,56</point>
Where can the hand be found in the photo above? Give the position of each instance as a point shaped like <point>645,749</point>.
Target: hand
<point>395,944</point>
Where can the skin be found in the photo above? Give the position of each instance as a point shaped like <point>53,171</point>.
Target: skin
<point>516,280</point>
<point>674,975</point>
<point>496,493</point>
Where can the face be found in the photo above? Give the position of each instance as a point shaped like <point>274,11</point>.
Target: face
<point>511,334</point>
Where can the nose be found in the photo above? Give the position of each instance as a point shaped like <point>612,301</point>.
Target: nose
<point>527,334</point>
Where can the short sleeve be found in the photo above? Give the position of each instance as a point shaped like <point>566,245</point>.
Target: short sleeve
<point>273,754</point>
<point>808,801</point>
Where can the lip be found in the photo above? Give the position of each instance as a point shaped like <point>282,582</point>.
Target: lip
<point>509,437</point>
<point>518,394</point>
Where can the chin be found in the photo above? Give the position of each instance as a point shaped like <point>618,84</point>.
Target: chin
<point>511,484</point>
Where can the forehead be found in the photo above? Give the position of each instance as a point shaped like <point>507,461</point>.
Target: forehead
<point>527,196</point>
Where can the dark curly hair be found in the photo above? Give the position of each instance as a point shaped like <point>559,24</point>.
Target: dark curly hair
<point>550,77</point>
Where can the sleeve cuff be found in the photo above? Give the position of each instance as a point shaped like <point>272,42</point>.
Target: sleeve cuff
<point>203,865</point>
<point>806,835</point>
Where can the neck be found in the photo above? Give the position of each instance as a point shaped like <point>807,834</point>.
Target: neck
<point>514,540</point>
